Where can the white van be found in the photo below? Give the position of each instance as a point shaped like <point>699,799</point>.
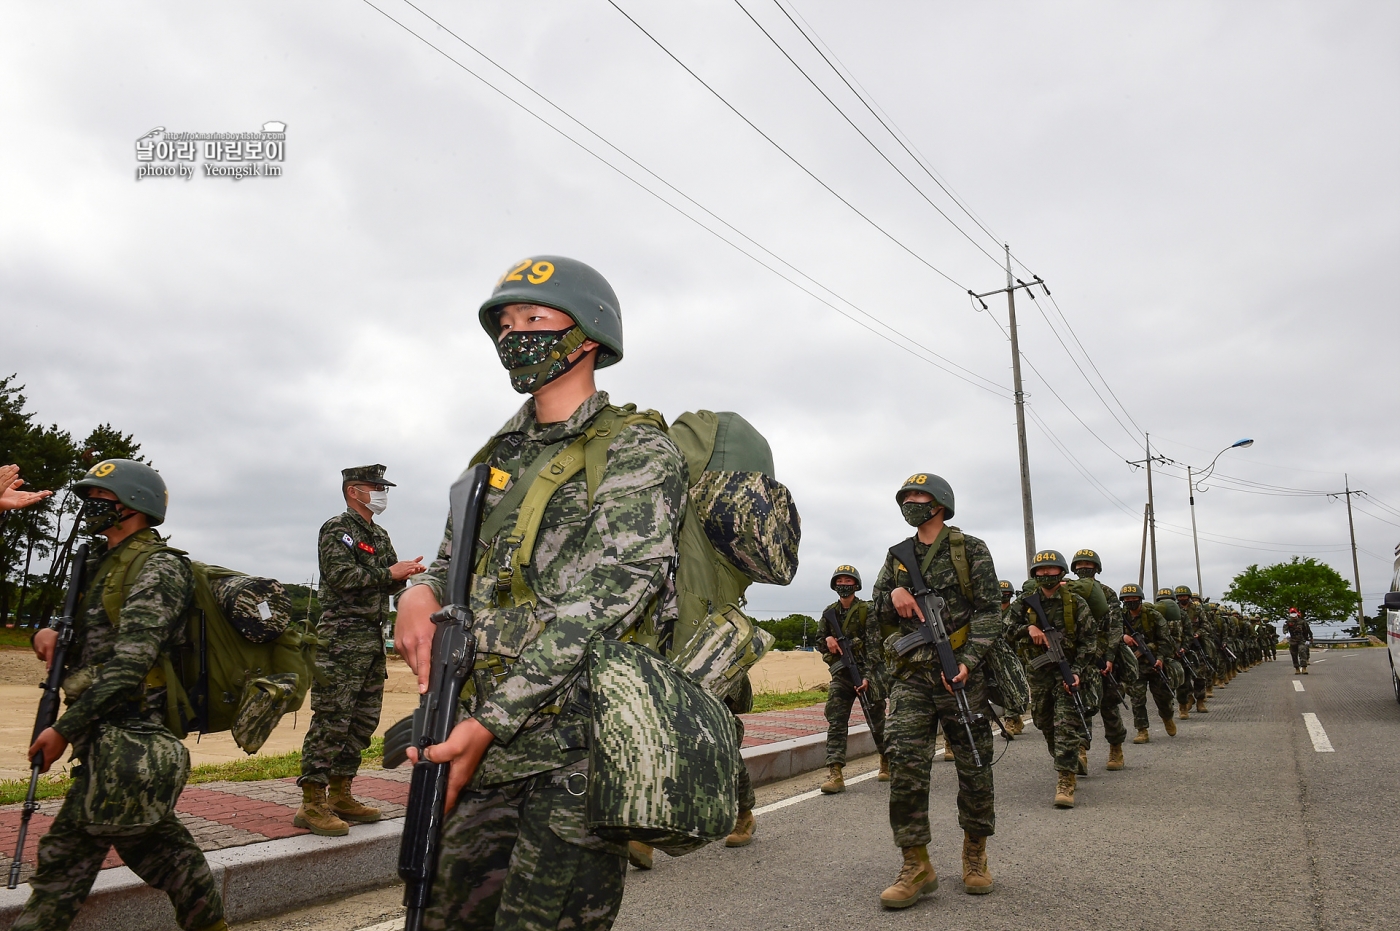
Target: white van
<point>1392,624</point>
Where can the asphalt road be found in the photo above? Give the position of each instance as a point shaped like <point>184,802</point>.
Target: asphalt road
<point>1239,822</point>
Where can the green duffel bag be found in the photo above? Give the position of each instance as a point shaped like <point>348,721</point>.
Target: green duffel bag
<point>663,755</point>
<point>1007,685</point>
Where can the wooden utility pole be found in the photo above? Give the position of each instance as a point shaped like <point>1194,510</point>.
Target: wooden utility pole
<point>1142,561</point>
<point>1151,516</point>
<point>1355,564</point>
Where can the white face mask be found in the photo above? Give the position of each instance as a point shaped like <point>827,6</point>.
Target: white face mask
<point>378,501</point>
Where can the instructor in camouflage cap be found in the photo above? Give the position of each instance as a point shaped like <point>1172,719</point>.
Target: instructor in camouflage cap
<point>359,573</point>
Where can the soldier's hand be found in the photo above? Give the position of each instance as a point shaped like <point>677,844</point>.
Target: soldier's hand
<point>11,498</point>
<point>904,604</point>
<point>1129,641</point>
<point>1076,683</point>
<point>1107,669</point>
<point>833,646</point>
<point>463,748</point>
<point>413,631</point>
<point>1037,636</point>
<point>961,677</point>
<point>44,642</point>
<point>406,567</point>
<point>51,744</point>
<point>864,685</point>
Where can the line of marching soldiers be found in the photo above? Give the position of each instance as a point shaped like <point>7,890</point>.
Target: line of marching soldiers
<point>1060,649</point>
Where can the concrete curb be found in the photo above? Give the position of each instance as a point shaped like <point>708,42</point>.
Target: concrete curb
<point>278,875</point>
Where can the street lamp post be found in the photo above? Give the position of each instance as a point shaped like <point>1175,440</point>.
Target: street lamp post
<point>1191,489</point>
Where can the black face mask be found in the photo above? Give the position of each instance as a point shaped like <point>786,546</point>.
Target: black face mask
<point>845,591</point>
<point>537,357</point>
<point>100,514</point>
<point>1088,572</point>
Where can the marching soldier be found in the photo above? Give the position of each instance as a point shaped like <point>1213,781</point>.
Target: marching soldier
<point>1052,705</point>
<point>359,573</point>
<point>115,692</point>
<point>958,568</point>
<point>853,614</point>
<point>1116,678</point>
<point>1013,721</point>
<point>1145,621</point>
<point>1195,629</point>
<point>1300,636</point>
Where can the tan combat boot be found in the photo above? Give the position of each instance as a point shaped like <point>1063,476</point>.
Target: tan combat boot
<point>315,813</point>
<point>884,769</point>
<point>916,877</point>
<point>1142,736</point>
<point>1170,725</point>
<point>1304,672</point>
<point>947,752</point>
<point>220,925</point>
<point>1201,706</point>
<point>639,854</point>
<point>1210,691</point>
<point>835,782</point>
<point>1083,769</point>
<point>1064,790</point>
<point>346,806</point>
<point>1015,725</point>
<point>742,835</point>
<point>977,879</point>
<point>1185,711</point>
<point>1115,758</point>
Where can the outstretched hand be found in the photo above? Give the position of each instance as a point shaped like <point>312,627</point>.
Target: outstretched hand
<point>11,498</point>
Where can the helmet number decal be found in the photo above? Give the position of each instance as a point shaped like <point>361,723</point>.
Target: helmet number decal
<point>104,469</point>
<point>540,272</point>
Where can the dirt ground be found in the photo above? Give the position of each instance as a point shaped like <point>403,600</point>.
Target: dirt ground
<point>21,673</point>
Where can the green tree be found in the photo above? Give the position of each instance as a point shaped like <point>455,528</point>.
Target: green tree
<point>787,631</point>
<point>1312,587</point>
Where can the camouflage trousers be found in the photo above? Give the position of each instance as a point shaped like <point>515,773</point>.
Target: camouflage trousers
<point>840,698</point>
<point>1161,694</point>
<point>1111,710</point>
<point>1194,687</point>
<point>503,867</point>
<point>165,856</point>
<point>915,710</point>
<point>346,698</point>
<point>1299,652</point>
<point>743,785</point>
<point>1054,714</point>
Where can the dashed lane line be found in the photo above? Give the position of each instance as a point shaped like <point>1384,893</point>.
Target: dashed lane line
<point>813,794</point>
<point>1298,685</point>
<point>1319,737</point>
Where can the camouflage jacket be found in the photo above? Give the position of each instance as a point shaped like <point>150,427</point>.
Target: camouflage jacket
<point>982,613</point>
<point>108,664</point>
<point>1195,623</point>
<point>1155,629</point>
<point>596,570</point>
<point>355,556</point>
<point>1081,642</point>
<point>1111,627</point>
<point>1297,630</point>
<point>859,624</point>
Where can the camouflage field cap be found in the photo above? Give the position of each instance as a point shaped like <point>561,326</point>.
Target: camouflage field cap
<point>369,475</point>
<point>565,284</point>
<point>135,484</point>
<point>1087,556</point>
<point>839,571</point>
<point>935,485</point>
<point>1130,591</point>
<point>1182,591</point>
<point>1049,558</point>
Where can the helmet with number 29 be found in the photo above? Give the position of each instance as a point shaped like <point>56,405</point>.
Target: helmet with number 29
<point>564,284</point>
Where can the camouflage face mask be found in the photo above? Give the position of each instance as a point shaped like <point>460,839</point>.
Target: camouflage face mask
<point>917,513</point>
<point>100,514</point>
<point>535,358</point>
<point>845,591</point>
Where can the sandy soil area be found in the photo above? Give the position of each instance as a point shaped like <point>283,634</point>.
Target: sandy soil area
<point>21,673</point>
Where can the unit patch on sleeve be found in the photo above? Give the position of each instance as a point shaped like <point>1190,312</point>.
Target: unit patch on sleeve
<point>346,539</point>
<point>366,547</point>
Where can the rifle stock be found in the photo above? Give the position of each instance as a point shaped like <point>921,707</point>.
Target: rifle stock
<point>49,702</point>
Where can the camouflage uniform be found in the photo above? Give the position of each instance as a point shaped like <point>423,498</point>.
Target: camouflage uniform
<point>1196,636</point>
<point>1052,708</point>
<point>1153,627</point>
<point>106,686</point>
<point>863,629</point>
<point>918,699</point>
<point>1110,639</point>
<point>348,691</point>
<point>515,851</point>
<point>1299,635</point>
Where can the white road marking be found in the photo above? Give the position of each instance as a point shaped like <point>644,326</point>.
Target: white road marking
<point>1297,685</point>
<point>1319,737</point>
<point>393,924</point>
<point>813,794</point>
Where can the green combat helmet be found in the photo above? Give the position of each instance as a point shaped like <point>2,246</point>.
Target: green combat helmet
<point>135,484</point>
<point>1130,592</point>
<point>1182,591</point>
<point>1006,588</point>
<point>851,571</point>
<point>1164,593</point>
<point>934,485</point>
<point>1088,556</point>
<point>564,284</point>
<point>1049,558</point>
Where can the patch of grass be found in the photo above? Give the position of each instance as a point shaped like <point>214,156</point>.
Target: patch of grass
<point>782,701</point>
<point>251,769</point>
<point>15,638</point>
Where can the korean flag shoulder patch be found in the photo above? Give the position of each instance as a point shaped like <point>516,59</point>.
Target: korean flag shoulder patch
<point>347,540</point>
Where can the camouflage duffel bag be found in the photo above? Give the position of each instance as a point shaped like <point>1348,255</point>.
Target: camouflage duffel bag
<point>1007,685</point>
<point>663,754</point>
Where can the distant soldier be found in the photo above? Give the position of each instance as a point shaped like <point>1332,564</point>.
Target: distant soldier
<point>1195,631</point>
<point>359,573</point>
<point>1147,623</point>
<point>1299,636</point>
<point>1013,722</point>
<point>863,630</point>
<point>1268,639</point>
<point>957,567</point>
<point>1087,565</point>
<point>1052,707</point>
<point>115,718</point>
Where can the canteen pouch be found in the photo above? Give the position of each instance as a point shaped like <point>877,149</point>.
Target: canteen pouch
<point>725,645</point>
<point>662,756</point>
<point>135,772</point>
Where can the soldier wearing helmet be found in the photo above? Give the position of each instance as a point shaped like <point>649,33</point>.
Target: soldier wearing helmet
<point>1142,620</point>
<point>1118,671</point>
<point>858,624</point>
<point>110,689</point>
<point>958,567</point>
<point>1052,705</point>
<point>1012,721</point>
<point>1197,637</point>
<point>600,565</point>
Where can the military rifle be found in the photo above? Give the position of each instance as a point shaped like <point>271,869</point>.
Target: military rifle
<point>454,655</point>
<point>1112,680</point>
<point>49,701</point>
<point>1055,653</point>
<point>847,659</point>
<point>1143,648</point>
<point>932,632</point>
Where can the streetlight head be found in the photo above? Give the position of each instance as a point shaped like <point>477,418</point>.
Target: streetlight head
<point>1241,444</point>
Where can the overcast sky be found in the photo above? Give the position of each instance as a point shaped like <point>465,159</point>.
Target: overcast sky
<point>1211,192</point>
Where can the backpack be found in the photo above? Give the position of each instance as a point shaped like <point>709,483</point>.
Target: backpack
<point>244,661</point>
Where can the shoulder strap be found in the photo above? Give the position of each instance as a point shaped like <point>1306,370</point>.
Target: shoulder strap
<point>127,565</point>
<point>1067,600</point>
<point>957,549</point>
